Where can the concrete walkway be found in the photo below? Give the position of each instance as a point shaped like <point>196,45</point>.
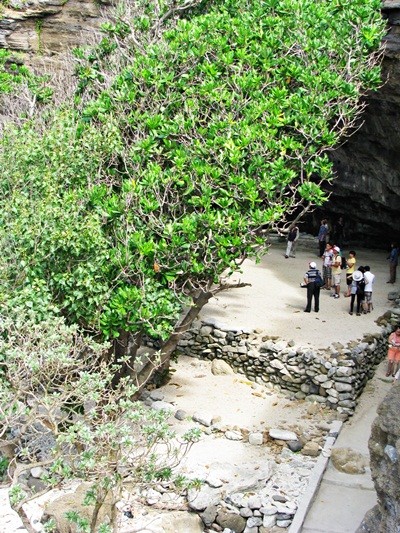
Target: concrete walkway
<point>341,500</point>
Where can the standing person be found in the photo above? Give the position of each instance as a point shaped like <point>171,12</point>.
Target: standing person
<point>351,266</point>
<point>393,262</point>
<point>327,258</point>
<point>339,232</point>
<point>322,236</point>
<point>393,352</point>
<point>369,281</point>
<point>312,288</point>
<point>336,271</point>
<point>293,235</point>
<point>357,291</point>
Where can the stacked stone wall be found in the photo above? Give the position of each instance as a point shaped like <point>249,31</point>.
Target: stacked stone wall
<point>335,376</point>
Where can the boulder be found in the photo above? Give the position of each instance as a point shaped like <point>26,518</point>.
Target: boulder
<point>348,461</point>
<point>220,368</point>
<point>385,468</point>
<point>231,521</point>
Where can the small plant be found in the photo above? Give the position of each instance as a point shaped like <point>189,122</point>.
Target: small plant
<point>16,495</point>
<point>39,28</point>
<point>4,462</point>
<point>50,526</point>
<point>55,384</point>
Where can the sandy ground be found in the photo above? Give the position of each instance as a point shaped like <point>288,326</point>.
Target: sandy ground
<point>275,301</point>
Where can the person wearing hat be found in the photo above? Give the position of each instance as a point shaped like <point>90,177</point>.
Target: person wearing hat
<point>312,288</point>
<point>357,291</point>
<point>336,271</point>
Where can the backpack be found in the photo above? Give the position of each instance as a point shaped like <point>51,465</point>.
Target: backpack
<point>360,286</point>
<point>319,282</point>
<point>344,263</point>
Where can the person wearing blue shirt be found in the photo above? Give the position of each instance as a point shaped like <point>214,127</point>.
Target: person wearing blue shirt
<point>393,262</point>
<point>322,236</point>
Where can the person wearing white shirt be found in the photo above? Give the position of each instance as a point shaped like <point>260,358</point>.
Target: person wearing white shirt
<point>369,281</point>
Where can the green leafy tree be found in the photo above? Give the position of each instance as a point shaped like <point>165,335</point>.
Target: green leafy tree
<point>194,128</point>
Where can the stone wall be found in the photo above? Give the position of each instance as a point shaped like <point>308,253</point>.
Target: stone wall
<point>334,377</point>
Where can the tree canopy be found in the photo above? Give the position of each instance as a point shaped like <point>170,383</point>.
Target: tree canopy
<point>192,129</point>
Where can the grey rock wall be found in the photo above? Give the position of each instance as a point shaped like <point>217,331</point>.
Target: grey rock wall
<point>384,448</point>
<point>46,28</point>
<point>367,189</point>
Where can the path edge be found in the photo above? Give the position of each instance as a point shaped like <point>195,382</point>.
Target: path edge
<point>315,478</point>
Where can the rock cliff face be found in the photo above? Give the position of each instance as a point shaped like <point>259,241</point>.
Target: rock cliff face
<point>384,449</point>
<point>45,28</point>
<point>367,190</point>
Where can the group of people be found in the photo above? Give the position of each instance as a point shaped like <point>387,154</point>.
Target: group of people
<point>359,282</point>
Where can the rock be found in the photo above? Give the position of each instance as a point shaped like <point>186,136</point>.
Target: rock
<point>283,523</point>
<point>37,472</point>
<point>348,461</point>
<point>73,501</point>
<point>249,529</point>
<point>269,520</point>
<point>254,521</point>
<point>391,452</point>
<point>214,481</point>
<point>279,498</point>
<point>393,295</point>
<point>208,515</point>
<point>246,512</point>
<point>371,521</point>
<point>152,497</point>
<point>232,521</point>
<point>385,472</point>
<point>311,449</point>
<point>343,387</point>
<point>201,499</point>
<point>243,477</point>
<point>220,368</point>
<point>256,439</point>
<point>294,445</point>
<point>180,414</point>
<point>236,499</point>
<point>254,502</point>
<point>156,395</point>
<point>166,522</point>
<point>36,484</point>
<point>233,435</point>
<point>203,419</point>
<point>162,406</point>
<point>281,434</point>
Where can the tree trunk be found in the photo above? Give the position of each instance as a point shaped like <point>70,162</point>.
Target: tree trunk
<point>161,371</point>
<point>120,350</point>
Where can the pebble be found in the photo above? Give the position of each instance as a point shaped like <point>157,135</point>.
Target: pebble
<point>281,434</point>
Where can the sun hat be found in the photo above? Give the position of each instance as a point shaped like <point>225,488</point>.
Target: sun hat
<point>313,265</point>
<point>336,248</point>
<point>357,275</point>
